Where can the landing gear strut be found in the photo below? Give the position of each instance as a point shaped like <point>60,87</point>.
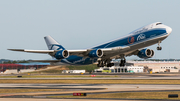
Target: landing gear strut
<point>159,47</point>
<point>123,61</point>
<point>100,64</point>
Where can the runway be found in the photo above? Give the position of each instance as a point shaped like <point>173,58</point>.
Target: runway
<point>69,89</point>
<point>83,88</point>
<point>99,76</point>
<point>33,99</point>
<point>105,87</point>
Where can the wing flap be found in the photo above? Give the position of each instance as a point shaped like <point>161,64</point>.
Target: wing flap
<point>82,52</point>
<point>106,51</point>
<point>115,48</point>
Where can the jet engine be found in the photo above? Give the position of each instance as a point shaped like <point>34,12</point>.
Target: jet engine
<point>97,53</point>
<point>145,53</point>
<point>61,54</point>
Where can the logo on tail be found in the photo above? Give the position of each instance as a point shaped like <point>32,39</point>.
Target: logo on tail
<point>56,47</point>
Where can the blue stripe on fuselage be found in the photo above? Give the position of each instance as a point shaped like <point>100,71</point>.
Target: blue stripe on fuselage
<point>129,40</point>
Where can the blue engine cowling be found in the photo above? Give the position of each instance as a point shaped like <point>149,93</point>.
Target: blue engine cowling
<point>61,54</point>
<point>97,53</point>
<point>145,53</point>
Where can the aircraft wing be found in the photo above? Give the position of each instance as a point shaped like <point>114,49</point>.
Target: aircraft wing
<point>83,52</point>
<point>44,60</point>
<point>34,51</point>
<point>71,52</point>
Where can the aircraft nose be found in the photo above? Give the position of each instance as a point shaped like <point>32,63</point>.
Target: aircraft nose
<point>169,30</point>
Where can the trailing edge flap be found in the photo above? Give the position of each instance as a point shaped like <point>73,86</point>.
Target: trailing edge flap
<point>105,50</point>
<point>44,60</point>
<point>115,48</point>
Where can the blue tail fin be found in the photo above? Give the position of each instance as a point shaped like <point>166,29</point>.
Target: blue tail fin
<point>52,44</point>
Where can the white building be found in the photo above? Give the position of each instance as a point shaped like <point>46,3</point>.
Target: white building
<point>73,71</point>
<point>117,69</point>
<point>158,66</point>
<point>135,69</point>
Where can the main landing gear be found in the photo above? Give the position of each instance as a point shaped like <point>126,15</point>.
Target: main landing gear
<point>102,63</point>
<point>159,47</point>
<point>105,63</point>
<point>123,62</point>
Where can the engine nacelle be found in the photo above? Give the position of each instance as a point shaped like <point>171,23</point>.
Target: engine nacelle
<point>145,53</point>
<point>97,53</point>
<point>61,54</point>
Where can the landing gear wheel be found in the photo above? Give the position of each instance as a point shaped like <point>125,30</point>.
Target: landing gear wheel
<point>159,48</point>
<point>110,64</point>
<point>124,61</point>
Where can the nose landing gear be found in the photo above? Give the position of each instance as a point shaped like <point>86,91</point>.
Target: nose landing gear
<point>159,47</point>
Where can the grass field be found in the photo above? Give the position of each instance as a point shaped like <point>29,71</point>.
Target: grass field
<point>58,76</point>
<point>27,90</point>
<point>98,81</point>
<point>134,95</point>
<point>59,69</point>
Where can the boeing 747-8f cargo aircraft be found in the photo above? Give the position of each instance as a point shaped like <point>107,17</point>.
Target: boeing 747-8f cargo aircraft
<point>132,44</point>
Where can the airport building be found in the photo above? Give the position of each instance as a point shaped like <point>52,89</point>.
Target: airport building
<point>21,67</point>
<point>157,66</point>
<point>118,69</point>
<point>73,71</point>
<point>142,66</point>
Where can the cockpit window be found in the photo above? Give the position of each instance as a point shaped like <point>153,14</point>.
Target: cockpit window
<point>158,23</point>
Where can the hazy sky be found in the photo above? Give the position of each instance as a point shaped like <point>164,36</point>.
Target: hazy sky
<point>79,24</point>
